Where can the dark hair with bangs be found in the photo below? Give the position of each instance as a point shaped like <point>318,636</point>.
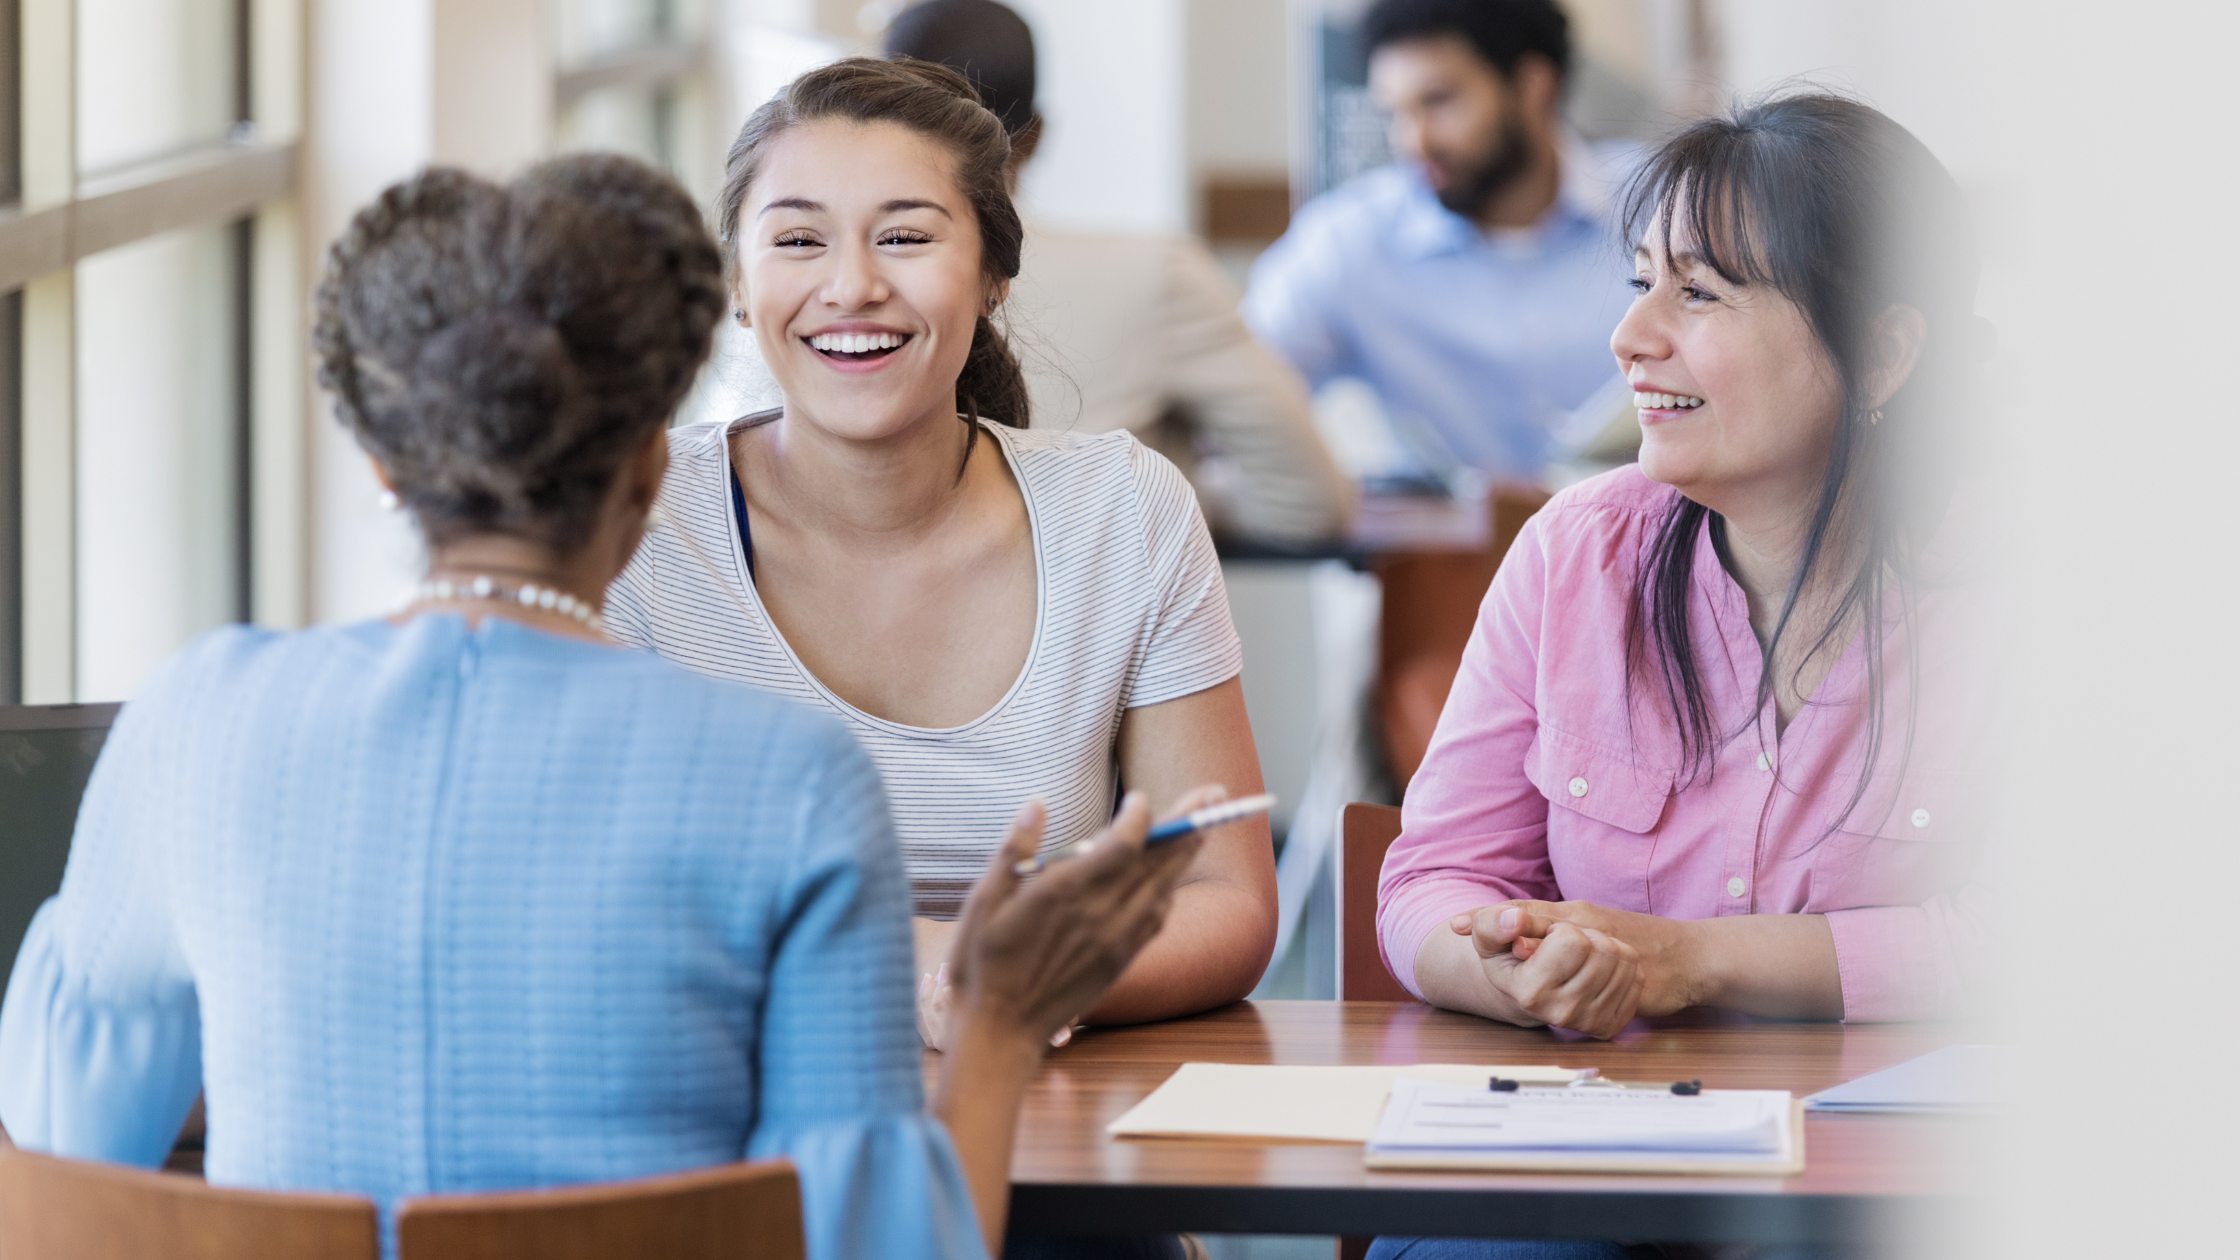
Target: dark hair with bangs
<point>1845,213</point>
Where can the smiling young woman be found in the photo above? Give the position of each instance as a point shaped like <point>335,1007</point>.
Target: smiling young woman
<point>998,614</point>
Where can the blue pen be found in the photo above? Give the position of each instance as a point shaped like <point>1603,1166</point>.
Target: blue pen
<point>1195,820</point>
<point>1211,816</point>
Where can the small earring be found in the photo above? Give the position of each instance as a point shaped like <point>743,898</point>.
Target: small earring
<point>738,314</point>
<point>388,501</point>
<point>1875,416</point>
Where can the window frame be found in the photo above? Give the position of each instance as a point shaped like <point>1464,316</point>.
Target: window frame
<point>54,216</point>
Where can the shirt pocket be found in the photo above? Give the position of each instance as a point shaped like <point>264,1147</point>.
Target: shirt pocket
<point>1601,811</point>
<point>1908,839</point>
<point>1597,784</point>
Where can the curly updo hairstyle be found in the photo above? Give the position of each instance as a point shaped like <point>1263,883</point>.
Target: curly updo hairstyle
<point>941,105</point>
<point>503,350</point>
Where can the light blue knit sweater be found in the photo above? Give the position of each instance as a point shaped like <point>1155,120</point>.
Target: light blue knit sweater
<point>429,909</point>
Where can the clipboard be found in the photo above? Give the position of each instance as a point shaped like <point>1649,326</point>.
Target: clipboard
<point>1788,1163</point>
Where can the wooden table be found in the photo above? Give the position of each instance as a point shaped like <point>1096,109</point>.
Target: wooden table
<point>1866,1176</point>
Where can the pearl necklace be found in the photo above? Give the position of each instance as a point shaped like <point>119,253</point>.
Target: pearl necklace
<point>528,596</point>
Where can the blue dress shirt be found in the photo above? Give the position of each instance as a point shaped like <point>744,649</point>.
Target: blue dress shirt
<point>1482,344</point>
<point>427,908</point>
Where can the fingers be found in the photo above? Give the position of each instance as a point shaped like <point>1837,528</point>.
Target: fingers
<point>1033,955</point>
<point>1536,918</point>
<point>1494,929</point>
<point>1018,855</point>
<point>1605,992</point>
<point>1513,927</point>
<point>1577,978</point>
<point>1001,879</point>
<point>934,997</point>
<point>1113,849</point>
<point>1013,860</point>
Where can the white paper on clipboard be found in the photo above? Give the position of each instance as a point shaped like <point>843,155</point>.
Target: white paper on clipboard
<point>1434,1125</point>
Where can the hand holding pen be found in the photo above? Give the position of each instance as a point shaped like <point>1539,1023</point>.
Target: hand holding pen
<point>1196,820</point>
<point>1100,901</point>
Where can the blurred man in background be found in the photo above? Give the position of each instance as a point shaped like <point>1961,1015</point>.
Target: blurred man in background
<point>1473,283</point>
<point>1141,332</point>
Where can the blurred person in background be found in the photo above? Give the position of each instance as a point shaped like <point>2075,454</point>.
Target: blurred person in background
<point>1141,332</point>
<point>1472,283</point>
<point>1718,737</point>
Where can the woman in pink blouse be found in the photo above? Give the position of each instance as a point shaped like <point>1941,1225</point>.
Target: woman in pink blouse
<point>1711,742</point>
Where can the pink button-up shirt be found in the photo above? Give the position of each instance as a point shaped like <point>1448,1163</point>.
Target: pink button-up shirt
<point>1537,784</point>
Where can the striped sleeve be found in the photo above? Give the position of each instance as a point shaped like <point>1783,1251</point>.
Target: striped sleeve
<point>627,599</point>
<point>1192,644</point>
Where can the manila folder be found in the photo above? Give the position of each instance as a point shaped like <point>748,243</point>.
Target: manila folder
<point>1293,1104</point>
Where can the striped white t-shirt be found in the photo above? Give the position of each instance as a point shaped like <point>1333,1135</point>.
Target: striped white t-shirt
<point>1130,611</point>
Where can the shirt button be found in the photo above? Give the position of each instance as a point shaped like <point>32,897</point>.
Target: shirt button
<point>1735,886</point>
<point>1765,762</point>
<point>1921,818</point>
<point>1579,787</point>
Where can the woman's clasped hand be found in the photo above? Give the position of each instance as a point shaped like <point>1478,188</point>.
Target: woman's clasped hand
<point>1577,965</point>
<point>1592,969</point>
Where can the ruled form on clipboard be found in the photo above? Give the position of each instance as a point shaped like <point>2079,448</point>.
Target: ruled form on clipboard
<point>1430,1125</point>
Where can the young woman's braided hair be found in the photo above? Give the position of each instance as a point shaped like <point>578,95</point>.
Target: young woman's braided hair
<point>941,105</point>
<point>503,350</point>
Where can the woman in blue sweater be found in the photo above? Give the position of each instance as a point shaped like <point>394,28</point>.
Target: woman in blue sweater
<point>467,898</point>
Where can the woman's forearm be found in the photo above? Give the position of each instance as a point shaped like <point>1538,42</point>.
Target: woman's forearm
<point>1453,977</point>
<point>1778,965</point>
<point>1213,949</point>
<point>984,1079</point>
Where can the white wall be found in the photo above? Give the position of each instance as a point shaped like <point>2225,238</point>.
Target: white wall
<point>2093,141</point>
<point>393,87</point>
<point>1908,58</point>
<point>1112,89</point>
<point>1239,88</point>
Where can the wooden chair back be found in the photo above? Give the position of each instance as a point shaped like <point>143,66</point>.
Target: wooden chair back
<point>1430,607</point>
<point>1364,833</point>
<point>736,1212</point>
<point>67,1209</point>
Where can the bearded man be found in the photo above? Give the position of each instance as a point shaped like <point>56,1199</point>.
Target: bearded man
<point>1473,283</point>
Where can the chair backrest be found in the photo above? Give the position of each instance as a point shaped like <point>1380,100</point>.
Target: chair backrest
<point>735,1211</point>
<point>1364,833</point>
<point>1430,608</point>
<point>67,1209</point>
<point>49,750</point>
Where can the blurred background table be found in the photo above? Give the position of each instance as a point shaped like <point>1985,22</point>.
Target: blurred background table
<point>1867,1177</point>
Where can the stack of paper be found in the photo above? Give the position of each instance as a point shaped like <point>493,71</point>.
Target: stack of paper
<point>1431,1125</point>
<point>1954,1080</point>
